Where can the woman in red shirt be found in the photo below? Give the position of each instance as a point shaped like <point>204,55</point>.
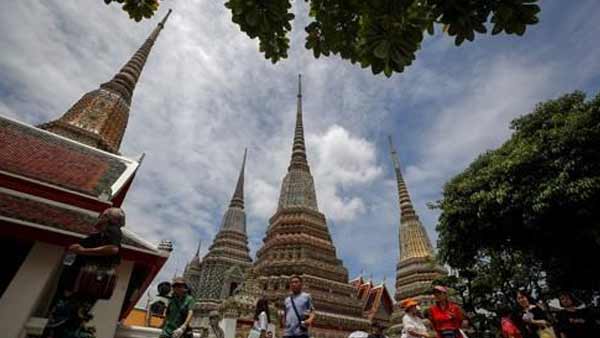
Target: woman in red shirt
<point>508,324</point>
<point>445,316</point>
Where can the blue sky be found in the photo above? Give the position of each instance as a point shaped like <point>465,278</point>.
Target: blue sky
<point>206,93</point>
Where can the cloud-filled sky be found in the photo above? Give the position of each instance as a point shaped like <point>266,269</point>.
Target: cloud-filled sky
<point>206,93</point>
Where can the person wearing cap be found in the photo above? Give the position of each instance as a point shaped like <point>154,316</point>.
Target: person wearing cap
<point>179,311</point>
<point>412,324</point>
<point>446,317</point>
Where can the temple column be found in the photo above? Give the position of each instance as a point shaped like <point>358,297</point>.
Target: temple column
<point>28,287</point>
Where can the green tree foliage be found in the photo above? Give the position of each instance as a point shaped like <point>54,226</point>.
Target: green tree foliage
<point>490,284</point>
<point>137,9</point>
<point>538,194</point>
<point>383,35</point>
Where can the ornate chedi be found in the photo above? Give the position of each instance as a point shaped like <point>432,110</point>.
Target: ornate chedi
<point>416,268</point>
<point>99,118</point>
<point>222,269</point>
<point>298,242</point>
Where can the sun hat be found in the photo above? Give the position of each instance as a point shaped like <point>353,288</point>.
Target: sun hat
<point>440,288</point>
<point>407,303</point>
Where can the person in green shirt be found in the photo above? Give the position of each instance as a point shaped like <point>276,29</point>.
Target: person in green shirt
<point>179,312</point>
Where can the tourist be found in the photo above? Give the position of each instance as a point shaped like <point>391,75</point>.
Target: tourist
<point>88,275</point>
<point>508,324</point>
<point>179,312</point>
<point>299,312</point>
<point>261,317</point>
<point>412,324</point>
<point>445,316</point>
<point>536,321</point>
<point>213,330</point>
<point>574,322</point>
<point>377,330</point>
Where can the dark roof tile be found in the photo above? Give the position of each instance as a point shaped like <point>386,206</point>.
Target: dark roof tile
<point>39,155</point>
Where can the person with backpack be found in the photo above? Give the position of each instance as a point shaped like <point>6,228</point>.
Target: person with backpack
<point>88,275</point>
<point>299,312</point>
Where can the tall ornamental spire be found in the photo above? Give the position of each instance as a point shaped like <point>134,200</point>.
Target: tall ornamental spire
<point>238,195</point>
<point>99,118</point>
<point>416,267</point>
<point>414,241</point>
<point>235,217</point>
<point>299,148</point>
<point>125,80</point>
<point>198,249</point>
<point>407,211</point>
<point>298,242</point>
<point>298,188</point>
<point>222,268</point>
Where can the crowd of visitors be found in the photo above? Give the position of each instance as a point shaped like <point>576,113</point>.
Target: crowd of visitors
<point>530,319</point>
<point>534,320</point>
<point>89,275</point>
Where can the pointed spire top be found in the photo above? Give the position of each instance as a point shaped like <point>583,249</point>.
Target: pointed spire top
<point>407,211</point>
<point>100,117</point>
<point>125,80</point>
<point>198,249</point>
<point>299,148</point>
<point>414,241</point>
<point>238,195</point>
<point>164,20</point>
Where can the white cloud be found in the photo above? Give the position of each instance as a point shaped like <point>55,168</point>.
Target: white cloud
<point>340,163</point>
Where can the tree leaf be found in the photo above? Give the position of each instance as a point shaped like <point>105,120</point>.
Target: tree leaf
<point>382,50</point>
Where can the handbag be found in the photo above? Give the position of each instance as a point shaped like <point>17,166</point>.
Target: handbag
<point>547,332</point>
<point>450,334</point>
<point>95,281</point>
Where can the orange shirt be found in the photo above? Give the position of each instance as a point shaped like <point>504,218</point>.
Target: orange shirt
<point>448,318</point>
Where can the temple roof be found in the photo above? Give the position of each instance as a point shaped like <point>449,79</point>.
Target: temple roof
<point>298,188</point>
<point>35,154</point>
<point>379,297</point>
<point>37,213</point>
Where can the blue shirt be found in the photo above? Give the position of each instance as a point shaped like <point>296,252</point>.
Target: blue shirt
<point>304,305</point>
